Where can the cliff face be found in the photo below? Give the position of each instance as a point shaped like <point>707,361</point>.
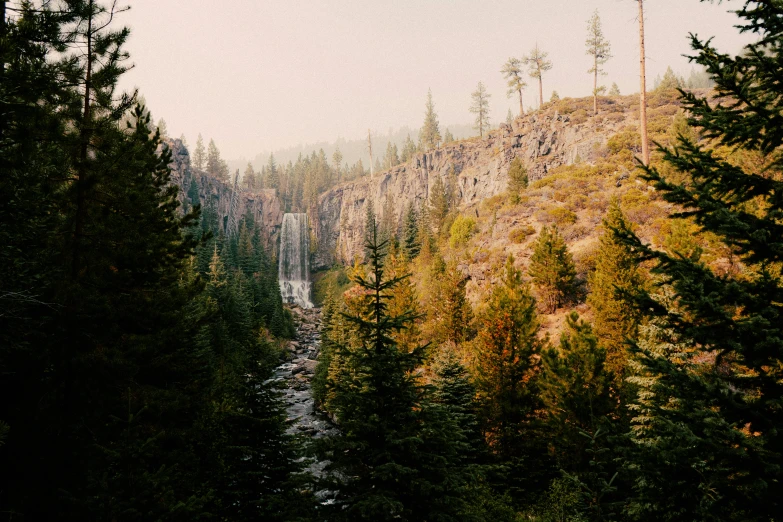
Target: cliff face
<point>263,205</point>
<point>542,142</point>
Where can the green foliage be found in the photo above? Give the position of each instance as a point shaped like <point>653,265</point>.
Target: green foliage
<point>461,231</point>
<point>134,389</point>
<point>614,90</point>
<point>709,426</point>
<point>410,233</point>
<point>429,136</point>
<point>575,392</point>
<point>480,107</point>
<point>670,81</point>
<point>506,359</point>
<point>448,314</point>
<point>398,454</point>
<point>616,276</point>
<point>520,234</point>
<point>552,269</point>
<point>512,73</point>
<point>517,180</point>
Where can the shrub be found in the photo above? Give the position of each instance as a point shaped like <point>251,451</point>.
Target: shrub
<point>520,234</point>
<point>561,216</point>
<point>461,230</point>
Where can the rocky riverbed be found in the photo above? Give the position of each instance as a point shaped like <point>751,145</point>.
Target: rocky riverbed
<point>294,377</point>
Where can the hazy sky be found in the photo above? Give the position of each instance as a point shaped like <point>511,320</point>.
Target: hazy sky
<point>257,75</point>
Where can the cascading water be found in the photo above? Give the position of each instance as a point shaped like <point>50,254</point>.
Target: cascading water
<point>294,269</point>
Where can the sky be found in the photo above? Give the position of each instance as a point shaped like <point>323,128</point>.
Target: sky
<point>260,75</point>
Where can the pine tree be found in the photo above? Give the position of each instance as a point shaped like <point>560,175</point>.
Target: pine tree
<point>614,90</point>
<point>337,161</point>
<point>370,226</point>
<point>616,276</point>
<point>599,48</point>
<point>410,232</point>
<point>448,137</point>
<point>449,315</point>
<point>408,150</point>
<point>396,456</point>
<point>429,136</point>
<point>216,167</point>
<point>506,358</point>
<point>512,72</point>
<point>480,107</point>
<point>272,175</point>
<point>517,180</point>
<point>552,269</point>
<point>709,424</point>
<point>439,203</point>
<point>199,156</point>
<point>575,392</point>
<point>538,65</point>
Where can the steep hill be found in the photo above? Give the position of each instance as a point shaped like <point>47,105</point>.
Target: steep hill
<point>563,134</point>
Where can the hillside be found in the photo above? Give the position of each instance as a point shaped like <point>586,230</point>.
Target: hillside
<point>576,163</point>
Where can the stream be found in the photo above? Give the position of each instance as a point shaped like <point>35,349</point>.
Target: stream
<point>294,376</point>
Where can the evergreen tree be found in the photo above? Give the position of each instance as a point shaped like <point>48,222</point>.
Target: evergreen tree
<point>410,243</point>
<point>429,136</point>
<point>448,137</point>
<point>200,154</point>
<point>506,358</point>
<point>538,65</point>
<point>670,81</point>
<point>512,73</point>
<point>448,313</point>
<point>552,269</point>
<point>273,176</point>
<point>391,158</point>
<point>599,48</point>
<point>480,107</point>
<point>575,392</point>
<point>439,203</point>
<point>517,180</point>
<point>216,167</point>
<point>709,425</point>
<point>616,276</point>
<point>408,150</point>
<point>509,118</point>
<point>614,90</point>
<point>370,226</point>
<point>396,456</point>
<point>337,161</point>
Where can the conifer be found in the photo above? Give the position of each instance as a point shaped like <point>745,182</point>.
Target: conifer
<point>710,429</point>
<point>396,457</point>
<point>575,392</point>
<point>429,136</point>
<point>552,269</point>
<point>616,276</point>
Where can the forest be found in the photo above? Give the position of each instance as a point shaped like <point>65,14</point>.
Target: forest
<point>599,340</point>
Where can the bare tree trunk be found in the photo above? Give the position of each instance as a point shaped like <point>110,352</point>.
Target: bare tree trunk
<point>81,196</point>
<point>595,84</point>
<point>643,89</point>
<point>369,146</point>
<point>521,105</point>
<point>540,89</point>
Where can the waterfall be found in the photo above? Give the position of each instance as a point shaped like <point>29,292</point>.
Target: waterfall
<point>294,269</point>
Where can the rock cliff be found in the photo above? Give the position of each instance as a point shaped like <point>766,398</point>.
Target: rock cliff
<point>264,205</point>
<point>541,141</point>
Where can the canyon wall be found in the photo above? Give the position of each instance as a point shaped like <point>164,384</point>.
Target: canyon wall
<point>263,205</point>
<point>541,141</point>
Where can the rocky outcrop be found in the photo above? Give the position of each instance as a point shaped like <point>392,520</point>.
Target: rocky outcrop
<point>263,205</point>
<point>542,142</point>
